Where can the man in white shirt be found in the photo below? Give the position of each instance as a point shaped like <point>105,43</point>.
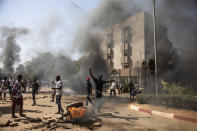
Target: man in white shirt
<point>59,92</point>
<point>113,88</point>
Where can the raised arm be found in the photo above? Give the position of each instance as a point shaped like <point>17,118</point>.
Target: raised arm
<point>90,70</point>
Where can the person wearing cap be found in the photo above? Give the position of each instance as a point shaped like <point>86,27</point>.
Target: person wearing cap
<point>35,87</point>
<point>59,93</point>
<point>89,91</point>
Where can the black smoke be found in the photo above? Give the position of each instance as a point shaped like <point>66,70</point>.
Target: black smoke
<point>10,47</point>
<point>176,45</point>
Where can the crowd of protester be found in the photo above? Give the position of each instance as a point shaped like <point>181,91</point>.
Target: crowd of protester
<point>15,89</point>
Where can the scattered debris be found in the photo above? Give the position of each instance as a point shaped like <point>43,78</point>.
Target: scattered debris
<point>17,119</point>
<point>76,105</point>
<point>46,117</point>
<point>39,119</point>
<point>4,123</point>
<point>51,120</point>
<point>29,97</point>
<point>97,124</point>
<point>43,96</point>
<point>13,124</point>
<point>25,121</point>
<point>59,118</point>
<point>35,120</point>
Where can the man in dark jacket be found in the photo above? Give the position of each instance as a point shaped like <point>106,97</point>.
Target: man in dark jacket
<point>131,89</point>
<point>99,83</point>
<point>89,91</point>
<point>35,87</point>
<point>99,88</point>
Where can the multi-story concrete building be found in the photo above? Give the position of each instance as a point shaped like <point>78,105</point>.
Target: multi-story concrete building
<point>128,43</point>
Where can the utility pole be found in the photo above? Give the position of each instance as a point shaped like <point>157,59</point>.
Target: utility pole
<point>155,47</point>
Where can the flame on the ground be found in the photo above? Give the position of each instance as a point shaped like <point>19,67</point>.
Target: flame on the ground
<point>77,112</point>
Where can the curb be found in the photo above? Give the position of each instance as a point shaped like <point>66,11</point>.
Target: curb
<point>163,114</point>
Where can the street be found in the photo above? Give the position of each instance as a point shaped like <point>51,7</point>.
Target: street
<point>115,115</point>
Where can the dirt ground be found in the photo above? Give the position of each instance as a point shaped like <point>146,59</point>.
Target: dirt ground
<point>115,115</point>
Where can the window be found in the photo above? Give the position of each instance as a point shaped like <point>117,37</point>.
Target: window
<point>127,35</point>
<point>126,66</point>
<point>109,40</point>
<point>109,56</point>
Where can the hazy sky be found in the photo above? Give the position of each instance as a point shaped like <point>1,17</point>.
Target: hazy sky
<point>51,23</point>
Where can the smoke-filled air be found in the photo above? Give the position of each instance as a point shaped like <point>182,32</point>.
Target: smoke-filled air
<point>176,52</point>
<point>103,65</point>
<point>11,49</point>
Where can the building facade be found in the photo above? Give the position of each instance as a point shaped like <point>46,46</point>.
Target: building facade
<point>127,44</point>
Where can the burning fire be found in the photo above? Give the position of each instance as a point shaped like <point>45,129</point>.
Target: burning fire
<point>77,112</point>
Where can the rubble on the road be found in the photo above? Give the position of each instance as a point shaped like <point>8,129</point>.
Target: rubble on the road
<point>13,124</point>
<point>43,96</point>
<point>51,120</point>
<point>46,117</point>
<point>17,119</point>
<point>25,121</point>
<point>75,104</point>
<point>97,124</point>
<point>4,123</point>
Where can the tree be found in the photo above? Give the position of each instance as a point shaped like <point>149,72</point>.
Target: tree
<point>113,72</point>
<point>20,69</point>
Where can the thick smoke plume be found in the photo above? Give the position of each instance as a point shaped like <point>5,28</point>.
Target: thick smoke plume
<point>46,66</point>
<point>10,48</point>
<point>176,48</point>
<point>180,18</point>
<point>88,41</point>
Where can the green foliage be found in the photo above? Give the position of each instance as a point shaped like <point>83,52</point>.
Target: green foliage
<point>113,72</point>
<point>169,100</point>
<point>173,88</point>
<point>20,69</point>
<point>124,83</point>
